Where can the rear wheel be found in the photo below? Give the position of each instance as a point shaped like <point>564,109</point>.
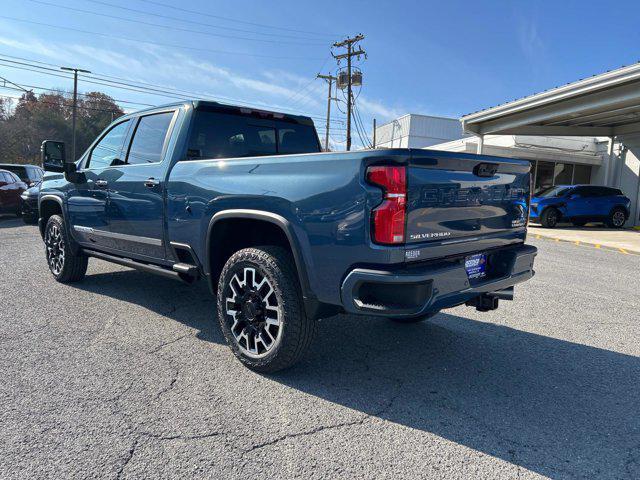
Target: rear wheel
<point>418,319</point>
<point>550,217</point>
<point>63,263</point>
<point>617,218</point>
<point>260,309</point>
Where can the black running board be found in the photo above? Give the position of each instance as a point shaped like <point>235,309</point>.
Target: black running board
<point>183,272</point>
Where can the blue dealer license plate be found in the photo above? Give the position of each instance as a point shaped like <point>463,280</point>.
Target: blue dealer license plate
<point>476,266</point>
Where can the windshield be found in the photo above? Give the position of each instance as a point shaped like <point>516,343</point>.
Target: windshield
<point>224,135</point>
<point>21,172</point>
<point>553,192</point>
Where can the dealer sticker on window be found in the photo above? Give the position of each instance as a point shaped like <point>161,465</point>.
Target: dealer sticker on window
<point>476,265</point>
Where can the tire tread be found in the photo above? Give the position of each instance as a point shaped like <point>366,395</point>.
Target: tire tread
<point>299,329</point>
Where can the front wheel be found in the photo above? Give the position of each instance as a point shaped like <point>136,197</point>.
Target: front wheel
<point>550,218</point>
<point>260,309</point>
<point>617,218</point>
<point>63,263</point>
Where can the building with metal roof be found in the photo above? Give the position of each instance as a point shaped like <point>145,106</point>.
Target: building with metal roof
<point>605,105</point>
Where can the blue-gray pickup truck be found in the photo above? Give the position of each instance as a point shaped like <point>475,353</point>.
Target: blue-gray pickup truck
<point>284,233</point>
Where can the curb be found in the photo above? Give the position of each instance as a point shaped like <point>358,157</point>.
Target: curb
<point>598,246</point>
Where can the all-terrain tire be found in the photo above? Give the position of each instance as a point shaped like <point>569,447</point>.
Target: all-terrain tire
<point>274,265</point>
<point>65,266</point>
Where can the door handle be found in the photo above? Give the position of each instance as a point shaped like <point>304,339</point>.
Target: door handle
<point>151,182</point>
<point>101,183</point>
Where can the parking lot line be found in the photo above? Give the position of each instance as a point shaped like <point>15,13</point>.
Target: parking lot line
<point>584,244</point>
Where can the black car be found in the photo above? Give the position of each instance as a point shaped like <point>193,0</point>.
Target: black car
<point>29,174</point>
<point>29,206</point>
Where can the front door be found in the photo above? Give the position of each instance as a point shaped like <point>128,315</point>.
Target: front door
<point>87,198</point>
<point>136,196</point>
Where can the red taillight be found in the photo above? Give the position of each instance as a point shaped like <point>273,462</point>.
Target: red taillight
<point>388,218</point>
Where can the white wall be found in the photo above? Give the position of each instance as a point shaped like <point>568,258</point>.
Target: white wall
<point>627,174</point>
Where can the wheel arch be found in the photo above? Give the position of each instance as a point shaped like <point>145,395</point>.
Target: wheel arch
<point>555,206</point>
<point>622,207</point>
<point>213,264</point>
<point>48,205</point>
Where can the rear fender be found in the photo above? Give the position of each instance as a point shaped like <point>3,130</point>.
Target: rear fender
<point>311,303</point>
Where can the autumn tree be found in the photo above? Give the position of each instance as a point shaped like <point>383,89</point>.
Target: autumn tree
<point>48,116</point>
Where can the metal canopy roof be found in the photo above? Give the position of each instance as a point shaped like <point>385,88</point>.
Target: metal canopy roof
<point>602,105</point>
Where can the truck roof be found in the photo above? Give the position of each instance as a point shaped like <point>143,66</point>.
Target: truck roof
<point>229,108</point>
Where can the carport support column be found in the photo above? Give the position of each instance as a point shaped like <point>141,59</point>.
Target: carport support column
<point>609,172</point>
<point>480,144</point>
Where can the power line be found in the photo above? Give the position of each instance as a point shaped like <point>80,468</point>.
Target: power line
<point>194,22</point>
<point>307,85</point>
<point>65,106</point>
<point>9,81</point>
<point>149,89</point>
<point>59,76</point>
<point>87,95</point>
<point>149,42</point>
<point>358,119</point>
<point>195,12</point>
<point>170,27</point>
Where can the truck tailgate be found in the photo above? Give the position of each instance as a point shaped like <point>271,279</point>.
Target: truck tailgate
<point>459,198</point>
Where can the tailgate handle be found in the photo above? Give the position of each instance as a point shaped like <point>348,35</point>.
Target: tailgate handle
<point>485,169</point>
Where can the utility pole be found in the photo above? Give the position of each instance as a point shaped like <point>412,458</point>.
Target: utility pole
<point>75,102</point>
<point>349,43</point>
<point>330,79</point>
<point>374,133</point>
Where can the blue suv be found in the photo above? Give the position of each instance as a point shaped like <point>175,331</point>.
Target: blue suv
<point>580,204</point>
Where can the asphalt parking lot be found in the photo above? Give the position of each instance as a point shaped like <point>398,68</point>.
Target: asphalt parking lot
<point>126,376</point>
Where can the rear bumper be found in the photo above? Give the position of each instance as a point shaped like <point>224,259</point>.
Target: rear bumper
<point>423,289</point>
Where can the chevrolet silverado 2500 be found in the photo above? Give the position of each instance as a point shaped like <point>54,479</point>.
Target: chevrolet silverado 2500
<point>283,233</point>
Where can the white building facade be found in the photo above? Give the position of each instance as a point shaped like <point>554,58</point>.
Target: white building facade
<point>417,131</point>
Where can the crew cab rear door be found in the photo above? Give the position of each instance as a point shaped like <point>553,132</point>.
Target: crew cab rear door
<point>457,198</point>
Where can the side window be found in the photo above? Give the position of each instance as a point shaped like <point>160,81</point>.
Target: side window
<point>148,139</point>
<point>107,150</point>
<point>610,192</point>
<point>588,192</point>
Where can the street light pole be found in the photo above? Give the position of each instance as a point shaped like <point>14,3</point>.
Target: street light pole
<point>75,102</point>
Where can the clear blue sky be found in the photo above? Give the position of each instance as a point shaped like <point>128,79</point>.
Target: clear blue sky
<point>438,58</point>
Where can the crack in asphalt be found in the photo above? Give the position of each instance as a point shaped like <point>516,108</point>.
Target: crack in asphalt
<point>128,457</point>
<point>322,428</point>
<point>169,342</point>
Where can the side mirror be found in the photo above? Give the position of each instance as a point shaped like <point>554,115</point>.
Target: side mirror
<point>53,156</point>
